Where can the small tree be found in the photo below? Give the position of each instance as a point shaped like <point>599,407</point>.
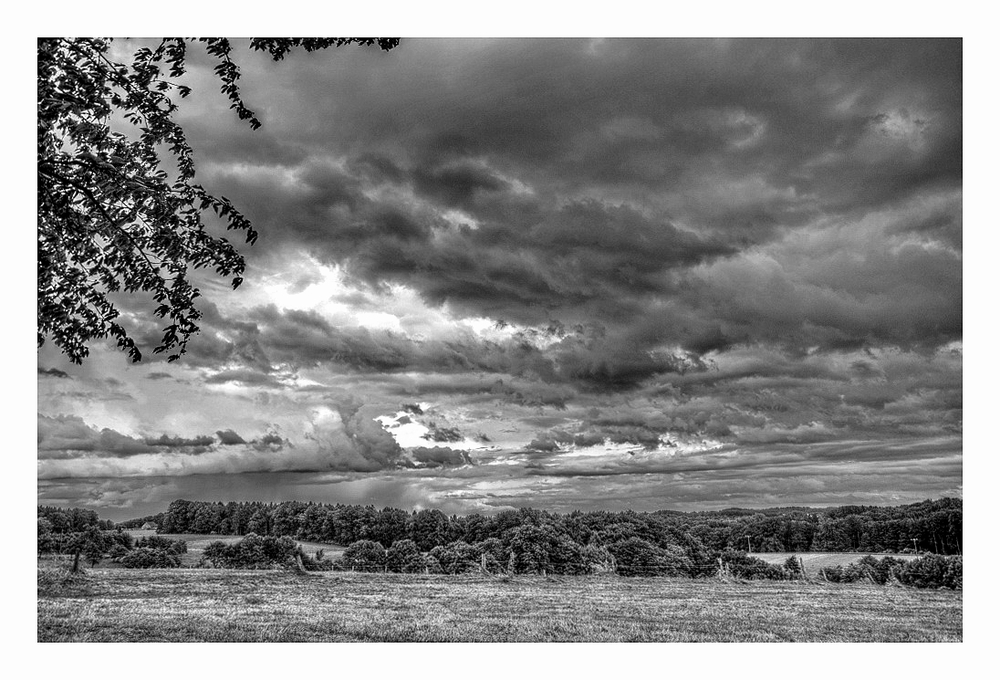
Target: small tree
<point>793,567</point>
<point>636,557</point>
<point>364,555</point>
<point>405,558</point>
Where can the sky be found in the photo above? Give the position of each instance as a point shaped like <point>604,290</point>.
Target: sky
<point>570,274</point>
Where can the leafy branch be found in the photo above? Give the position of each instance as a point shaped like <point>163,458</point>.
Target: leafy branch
<point>110,218</point>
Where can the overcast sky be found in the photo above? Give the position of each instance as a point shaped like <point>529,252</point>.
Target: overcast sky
<point>570,274</point>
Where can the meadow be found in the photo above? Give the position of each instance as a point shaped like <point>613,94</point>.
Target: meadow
<point>208,605</point>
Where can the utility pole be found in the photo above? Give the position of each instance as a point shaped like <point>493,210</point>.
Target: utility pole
<point>914,544</point>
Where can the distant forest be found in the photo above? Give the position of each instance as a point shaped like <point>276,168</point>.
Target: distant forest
<point>933,526</point>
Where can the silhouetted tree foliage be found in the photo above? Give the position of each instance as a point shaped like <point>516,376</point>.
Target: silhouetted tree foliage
<point>112,217</point>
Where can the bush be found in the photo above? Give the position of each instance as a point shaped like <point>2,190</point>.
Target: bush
<point>494,552</point>
<point>316,563</point>
<point>741,565</point>
<point>404,557</point>
<point>363,556</point>
<point>255,552</point>
<point>117,552</point>
<point>457,557</point>
<point>149,558</point>
<point>932,571</point>
<point>543,549</point>
<point>637,557</point>
<point>160,543</point>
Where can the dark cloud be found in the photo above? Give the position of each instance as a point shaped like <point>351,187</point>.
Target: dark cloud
<point>270,442</point>
<point>68,436</point>
<point>229,438</point>
<point>440,456</point>
<point>738,262</point>
<point>373,444</point>
<point>179,442</point>
<point>678,154</point>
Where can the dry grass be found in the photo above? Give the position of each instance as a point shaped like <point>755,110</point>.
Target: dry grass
<point>216,605</point>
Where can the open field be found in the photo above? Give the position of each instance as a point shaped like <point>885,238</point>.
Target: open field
<point>813,561</point>
<point>181,605</point>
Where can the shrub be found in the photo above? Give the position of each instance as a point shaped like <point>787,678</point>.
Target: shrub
<point>315,563</point>
<point>117,552</point>
<point>493,550</point>
<point>834,574</point>
<point>932,571</point>
<point>744,566</point>
<point>458,557</point>
<point>637,557</point>
<point>255,552</point>
<point>598,558</point>
<point>149,558</point>
<point>404,557</point>
<point>363,556</point>
<point>543,549</point>
<point>160,543</point>
<point>432,566</point>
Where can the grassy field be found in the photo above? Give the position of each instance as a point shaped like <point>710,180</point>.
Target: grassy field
<point>813,561</point>
<point>186,605</point>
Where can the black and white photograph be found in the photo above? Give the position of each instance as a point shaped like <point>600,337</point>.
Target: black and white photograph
<point>500,339</point>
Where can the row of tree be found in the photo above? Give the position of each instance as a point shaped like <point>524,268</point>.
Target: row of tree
<point>930,526</point>
<point>540,544</point>
<point>929,571</point>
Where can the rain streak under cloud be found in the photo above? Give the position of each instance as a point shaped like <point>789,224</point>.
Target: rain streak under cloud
<point>569,274</point>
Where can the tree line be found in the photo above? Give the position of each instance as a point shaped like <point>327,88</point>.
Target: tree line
<point>523,541</point>
<point>933,526</point>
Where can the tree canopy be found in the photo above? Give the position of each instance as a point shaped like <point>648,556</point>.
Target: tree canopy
<point>112,216</point>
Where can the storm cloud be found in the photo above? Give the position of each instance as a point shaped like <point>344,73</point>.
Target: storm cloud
<point>624,273</point>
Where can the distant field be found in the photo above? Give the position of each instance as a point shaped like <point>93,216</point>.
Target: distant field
<point>814,561</point>
<point>197,543</point>
<point>181,605</point>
